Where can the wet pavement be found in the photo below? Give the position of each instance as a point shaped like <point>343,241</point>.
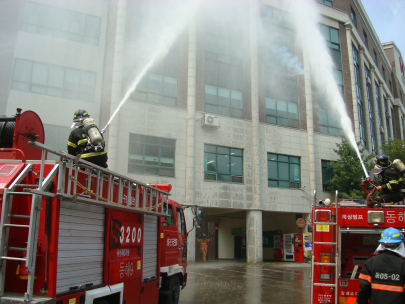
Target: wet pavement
<point>237,282</point>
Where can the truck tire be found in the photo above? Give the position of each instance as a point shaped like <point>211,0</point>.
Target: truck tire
<point>174,287</point>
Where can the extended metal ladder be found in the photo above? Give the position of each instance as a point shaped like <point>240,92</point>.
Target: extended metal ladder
<point>335,246</point>
<point>5,225</point>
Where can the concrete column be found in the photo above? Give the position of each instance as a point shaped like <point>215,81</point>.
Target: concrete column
<point>256,174</point>
<point>310,127</point>
<point>190,139</point>
<point>254,236</point>
<point>349,28</point>
<point>380,84</point>
<point>116,89</point>
<point>366,115</point>
<point>376,110</point>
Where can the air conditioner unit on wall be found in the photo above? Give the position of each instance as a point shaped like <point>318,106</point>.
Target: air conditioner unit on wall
<point>210,120</point>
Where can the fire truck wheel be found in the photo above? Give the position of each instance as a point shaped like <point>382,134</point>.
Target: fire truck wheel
<point>174,287</point>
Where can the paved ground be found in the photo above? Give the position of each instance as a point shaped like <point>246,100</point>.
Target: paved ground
<point>236,282</point>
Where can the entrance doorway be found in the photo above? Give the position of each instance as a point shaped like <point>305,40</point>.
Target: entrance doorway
<point>240,247</point>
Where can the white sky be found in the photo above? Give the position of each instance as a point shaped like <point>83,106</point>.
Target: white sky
<point>388,19</point>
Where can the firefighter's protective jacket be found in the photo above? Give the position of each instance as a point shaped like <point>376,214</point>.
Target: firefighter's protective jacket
<point>203,243</point>
<point>78,144</point>
<point>392,180</point>
<point>382,280</point>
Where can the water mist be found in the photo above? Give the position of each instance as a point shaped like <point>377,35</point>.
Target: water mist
<point>306,19</point>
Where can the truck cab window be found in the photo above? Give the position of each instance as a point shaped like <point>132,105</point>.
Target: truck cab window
<point>180,220</point>
<point>170,218</point>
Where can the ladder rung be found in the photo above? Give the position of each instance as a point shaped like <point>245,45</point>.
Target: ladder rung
<point>19,216</point>
<point>13,259</point>
<point>27,185</point>
<point>19,193</point>
<point>326,264</point>
<point>324,223</point>
<point>16,226</point>
<point>325,243</point>
<point>16,248</point>
<point>323,284</point>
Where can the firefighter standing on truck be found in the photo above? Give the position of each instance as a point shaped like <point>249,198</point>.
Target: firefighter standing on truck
<point>382,278</point>
<point>204,246</point>
<point>392,186</point>
<point>86,140</point>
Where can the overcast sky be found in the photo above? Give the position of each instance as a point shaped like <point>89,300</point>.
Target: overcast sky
<point>388,19</point>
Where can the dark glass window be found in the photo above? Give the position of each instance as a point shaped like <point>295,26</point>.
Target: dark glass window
<point>327,175</point>
<point>223,164</point>
<point>365,38</point>
<point>387,121</point>
<point>47,79</point>
<point>60,23</point>
<point>283,171</point>
<point>375,57</point>
<point>223,67</point>
<point>380,121</point>
<point>383,72</point>
<point>151,155</point>
<point>353,16</point>
<point>371,110</point>
<point>390,85</point>
<point>360,107</point>
<point>392,119</point>
<point>327,2</point>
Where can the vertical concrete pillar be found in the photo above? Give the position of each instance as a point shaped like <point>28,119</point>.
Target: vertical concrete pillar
<point>116,89</point>
<point>364,98</point>
<point>310,127</point>
<point>384,122</point>
<point>190,139</point>
<point>376,109</point>
<point>256,174</point>
<point>254,236</point>
<point>349,28</point>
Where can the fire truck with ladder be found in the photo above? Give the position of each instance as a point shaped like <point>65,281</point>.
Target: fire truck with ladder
<point>345,235</point>
<point>75,233</point>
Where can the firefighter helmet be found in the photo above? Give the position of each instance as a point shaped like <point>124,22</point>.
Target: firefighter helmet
<point>203,235</point>
<point>382,160</point>
<point>391,235</point>
<point>79,115</point>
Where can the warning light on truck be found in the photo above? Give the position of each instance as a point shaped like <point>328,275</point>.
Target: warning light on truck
<point>375,217</point>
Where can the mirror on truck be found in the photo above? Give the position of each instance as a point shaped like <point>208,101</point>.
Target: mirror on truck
<point>199,214</point>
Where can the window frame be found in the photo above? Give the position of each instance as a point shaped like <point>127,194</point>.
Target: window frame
<point>291,180</point>
<point>353,16</point>
<point>326,2</point>
<point>325,164</point>
<point>208,151</point>
<point>365,39</point>
<point>146,142</point>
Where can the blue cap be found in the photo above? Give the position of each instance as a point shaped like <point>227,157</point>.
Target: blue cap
<point>391,235</point>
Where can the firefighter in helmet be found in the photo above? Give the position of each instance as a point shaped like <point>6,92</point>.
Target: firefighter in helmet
<point>383,276</point>
<point>86,140</point>
<point>204,246</point>
<point>391,187</point>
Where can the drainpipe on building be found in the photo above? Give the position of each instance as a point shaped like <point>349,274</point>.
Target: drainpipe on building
<point>190,139</point>
<point>116,89</point>
<point>254,234</point>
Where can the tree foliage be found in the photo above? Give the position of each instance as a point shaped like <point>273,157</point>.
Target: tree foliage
<point>348,172</point>
<point>394,149</point>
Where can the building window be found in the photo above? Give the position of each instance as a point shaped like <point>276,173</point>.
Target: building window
<point>392,119</point>
<point>375,56</point>
<point>223,68</point>
<point>151,155</point>
<point>60,23</point>
<point>42,78</point>
<point>365,38</point>
<point>280,81</point>
<point>383,72</point>
<point>283,171</point>
<point>353,16</point>
<point>387,121</point>
<point>223,164</point>
<point>380,121</point>
<point>360,107</point>
<point>390,85</point>
<point>327,2</point>
<point>371,111</point>
<point>327,175</point>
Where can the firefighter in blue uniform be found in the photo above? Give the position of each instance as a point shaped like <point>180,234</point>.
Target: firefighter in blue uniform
<point>86,140</point>
<point>382,278</point>
<point>392,186</point>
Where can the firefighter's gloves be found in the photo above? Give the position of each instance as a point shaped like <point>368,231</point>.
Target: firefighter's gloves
<point>379,188</point>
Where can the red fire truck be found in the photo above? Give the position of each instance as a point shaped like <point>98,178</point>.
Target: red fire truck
<point>72,232</point>
<point>345,235</point>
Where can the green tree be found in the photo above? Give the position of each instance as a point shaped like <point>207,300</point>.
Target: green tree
<point>348,172</point>
<point>394,149</point>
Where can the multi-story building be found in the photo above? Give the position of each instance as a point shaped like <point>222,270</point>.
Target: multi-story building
<point>222,116</point>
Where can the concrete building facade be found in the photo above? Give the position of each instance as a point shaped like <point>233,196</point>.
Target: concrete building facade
<point>255,171</point>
